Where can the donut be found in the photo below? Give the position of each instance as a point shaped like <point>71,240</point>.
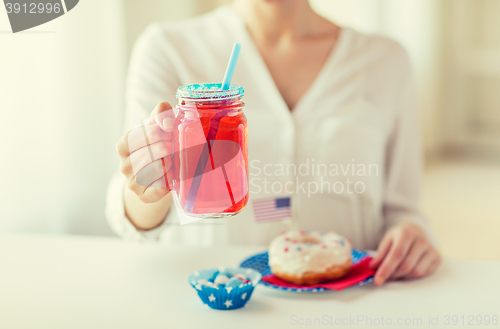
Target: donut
<point>309,257</point>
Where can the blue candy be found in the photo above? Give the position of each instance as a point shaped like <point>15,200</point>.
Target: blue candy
<point>212,279</point>
<point>234,282</point>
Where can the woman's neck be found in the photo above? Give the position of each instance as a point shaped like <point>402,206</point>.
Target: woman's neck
<point>271,21</point>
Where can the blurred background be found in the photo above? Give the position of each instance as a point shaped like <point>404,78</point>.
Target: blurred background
<point>61,109</point>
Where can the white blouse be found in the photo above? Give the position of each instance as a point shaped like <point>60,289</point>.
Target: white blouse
<point>348,155</point>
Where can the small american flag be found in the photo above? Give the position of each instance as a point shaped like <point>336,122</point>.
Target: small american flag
<point>270,209</point>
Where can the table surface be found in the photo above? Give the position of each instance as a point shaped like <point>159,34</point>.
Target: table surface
<point>75,282</point>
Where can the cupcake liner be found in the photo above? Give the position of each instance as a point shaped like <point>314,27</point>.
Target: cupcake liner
<point>225,297</point>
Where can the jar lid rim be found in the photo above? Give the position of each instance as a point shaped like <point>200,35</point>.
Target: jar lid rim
<point>209,91</point>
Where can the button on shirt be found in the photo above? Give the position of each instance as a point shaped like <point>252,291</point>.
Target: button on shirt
<point>348,155</point>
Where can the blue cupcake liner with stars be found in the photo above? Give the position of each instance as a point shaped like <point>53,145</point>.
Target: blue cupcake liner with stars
<point>260,263</point>
<point>222,297</point>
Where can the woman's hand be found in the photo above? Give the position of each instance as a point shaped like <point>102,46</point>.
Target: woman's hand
<point>145,153</point>
<point>404,252</point>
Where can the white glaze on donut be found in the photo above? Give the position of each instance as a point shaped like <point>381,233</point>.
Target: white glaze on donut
<point>297,252</point>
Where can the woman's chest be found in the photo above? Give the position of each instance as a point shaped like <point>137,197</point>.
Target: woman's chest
<point>294,70</point>
<point>353,131</point>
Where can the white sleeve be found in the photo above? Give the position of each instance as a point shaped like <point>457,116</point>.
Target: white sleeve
<point>404,160</point>
<point>151,79</point>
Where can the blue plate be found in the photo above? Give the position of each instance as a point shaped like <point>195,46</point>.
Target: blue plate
<point>260,261</point>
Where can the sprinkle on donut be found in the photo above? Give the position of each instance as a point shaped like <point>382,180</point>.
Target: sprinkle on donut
<point>297,252</point>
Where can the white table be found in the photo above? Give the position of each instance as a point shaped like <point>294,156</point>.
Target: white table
<point>84,282</point>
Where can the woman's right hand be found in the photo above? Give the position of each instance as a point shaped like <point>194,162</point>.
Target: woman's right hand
<point>146,155</point>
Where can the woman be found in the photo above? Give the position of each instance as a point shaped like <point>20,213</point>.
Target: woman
<point>315,93</point>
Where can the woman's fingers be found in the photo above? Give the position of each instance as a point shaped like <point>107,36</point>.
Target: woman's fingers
<point>162,116</point>
<point>147,135</point>
<point>141,137</point>
<point>144,156</point>
<point>158,127</point>
<point>434,265</point>
<point>409,255</point>
<point>162,110</point>
<point>156,191</point>
<point>382,251</point>
<point>397,252</point>
<point>426,264</point>
<point>153,171</point>
<point>146,152</point>
<point>122,147</point>
<point>151,183</point>
<point>417,250</point>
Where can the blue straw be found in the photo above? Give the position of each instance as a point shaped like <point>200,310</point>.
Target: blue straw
<point>230,66</point>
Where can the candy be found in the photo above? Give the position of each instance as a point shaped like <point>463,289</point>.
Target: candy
<point>240,276</point>
<point>221,279</point>
<point>233,282</point>
<point>203,282</point>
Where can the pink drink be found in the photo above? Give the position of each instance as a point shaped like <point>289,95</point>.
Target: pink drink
<point>212,163</point>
